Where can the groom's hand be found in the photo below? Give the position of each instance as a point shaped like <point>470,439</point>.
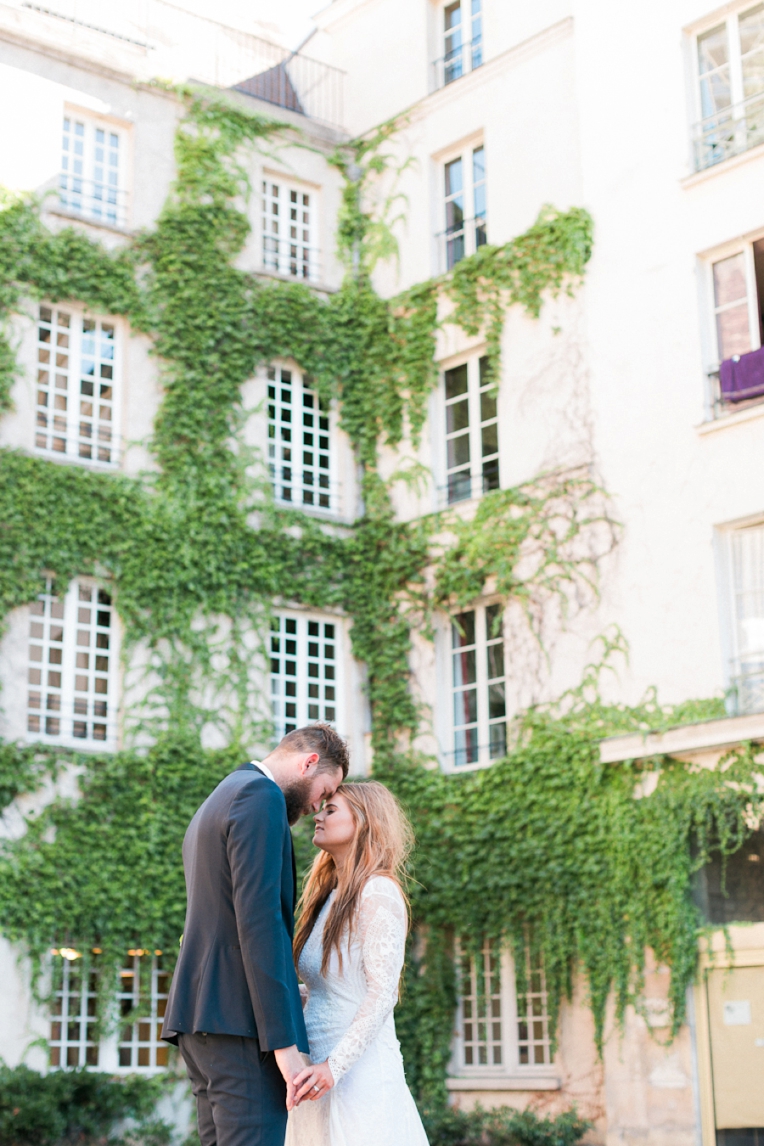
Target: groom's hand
<point>290,1062</point>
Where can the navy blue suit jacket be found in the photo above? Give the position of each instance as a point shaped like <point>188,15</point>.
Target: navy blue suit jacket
<point>235,974</point>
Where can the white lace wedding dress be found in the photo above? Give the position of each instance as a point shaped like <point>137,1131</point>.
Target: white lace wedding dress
<point>349,1016</point>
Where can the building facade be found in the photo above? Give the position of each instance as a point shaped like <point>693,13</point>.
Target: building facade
<point>650,377</point>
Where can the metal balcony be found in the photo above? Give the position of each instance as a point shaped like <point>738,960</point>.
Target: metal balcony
<point>461,60</point>
<point>294,82</point>
<point>729,132</point>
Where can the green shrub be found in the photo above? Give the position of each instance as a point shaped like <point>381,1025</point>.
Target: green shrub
<point>501,1127</point>
<point>82,1106</point>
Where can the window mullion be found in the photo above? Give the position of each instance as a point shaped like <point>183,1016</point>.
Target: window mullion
<point>67,667</point>
<point>754,326</point>
<point>476,454</point>
<point>482,685</point>
<point>736,69</point>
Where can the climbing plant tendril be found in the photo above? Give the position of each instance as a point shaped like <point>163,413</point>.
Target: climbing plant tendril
<point>556,845</point>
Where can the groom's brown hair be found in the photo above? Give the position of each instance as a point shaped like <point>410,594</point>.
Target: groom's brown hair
<point>321,738</point>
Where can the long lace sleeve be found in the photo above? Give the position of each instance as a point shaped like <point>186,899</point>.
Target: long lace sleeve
<point>382,933</point>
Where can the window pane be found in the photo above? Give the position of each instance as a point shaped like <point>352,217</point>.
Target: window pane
<point>456,381</point>
<point>490,436</point>
<point>459,486</point>
<point>495,655</point>
<point>457,416</point>
<point>713,63</point>
<point>733,331</point>
<point>464,669</point>
<point>466,747</point>
<point>487,406</point>
<point>730,280</point>
<point>463,630</point>
<point>458,450</point>
<point>498,742</point>
<point>454,177</point>
<point>452,16</point>
<point>493,614</point>
<point>713,49</point>
<point>751,26</point>
<point>748,573</point>
<point>465,706</point>
<point>496,702</point>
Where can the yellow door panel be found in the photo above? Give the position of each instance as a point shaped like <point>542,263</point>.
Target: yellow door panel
<point>736,1021</point>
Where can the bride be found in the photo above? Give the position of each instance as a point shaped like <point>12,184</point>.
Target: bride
<point>349,948</point>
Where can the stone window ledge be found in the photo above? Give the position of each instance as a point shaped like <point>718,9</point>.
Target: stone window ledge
<point>506,1082</point>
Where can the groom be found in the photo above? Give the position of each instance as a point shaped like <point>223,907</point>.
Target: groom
<point>234,1007</point>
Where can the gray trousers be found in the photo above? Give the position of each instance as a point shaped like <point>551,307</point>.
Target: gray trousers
<point>240,1093</point>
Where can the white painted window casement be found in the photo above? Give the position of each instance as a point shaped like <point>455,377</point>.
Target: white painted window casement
<point>289,229</point>
<point>745,578</point>
<point>73,1011</point>
<point>306,671</point>
<point>300,455</point>
<point>735,292</point>
<point>131,1044</point>
<point>142,999</point>
<point>465,218</point>
<point>729,58</point>
<point>472,431</point>
<point>462,40</point>
<point>73,653</point>
<point>738,300</point>
<point>500,1031</point>
<point>478,686</point>
<point>78,380</point>
<point>93,180</point>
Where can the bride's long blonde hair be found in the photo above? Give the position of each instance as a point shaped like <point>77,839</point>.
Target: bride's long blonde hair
<point>382,843</point>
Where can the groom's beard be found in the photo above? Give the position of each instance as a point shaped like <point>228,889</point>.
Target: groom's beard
<point>297,796</point>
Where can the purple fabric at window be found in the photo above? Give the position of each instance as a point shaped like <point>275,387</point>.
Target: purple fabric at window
<point>742,376</point>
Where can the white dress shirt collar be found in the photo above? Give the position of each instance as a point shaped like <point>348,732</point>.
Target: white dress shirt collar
<point>263,768</point>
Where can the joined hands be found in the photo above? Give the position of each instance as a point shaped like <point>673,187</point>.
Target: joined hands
<point>302,1082</point>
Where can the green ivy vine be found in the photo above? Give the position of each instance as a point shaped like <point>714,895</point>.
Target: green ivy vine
<point>556,844</point>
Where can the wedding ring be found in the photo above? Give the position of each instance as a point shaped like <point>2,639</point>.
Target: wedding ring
<point>316,1087</point>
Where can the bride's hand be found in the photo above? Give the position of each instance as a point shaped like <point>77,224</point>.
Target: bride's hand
<point>313,1082</point>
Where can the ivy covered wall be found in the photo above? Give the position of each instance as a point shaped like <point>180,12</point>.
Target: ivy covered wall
<point>562,855</point>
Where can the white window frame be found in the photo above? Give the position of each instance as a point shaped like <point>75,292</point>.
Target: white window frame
<point>123,1048</point>
<point>299,388</point>
<point>80,639</point>
<point>510,1043</point>
<point>728,251</point>
<point>474,229</point>
<point>485,757</point>
<point>63,381</point>
<point>87,189</point>
<point>283,248</point>
<point>139,1044</point>
<point>481,391</point>
<point>294,675</point>
<point>737,656</point>
<point>85,1049</point>
<point>737,97</point>
<point>451,66</point>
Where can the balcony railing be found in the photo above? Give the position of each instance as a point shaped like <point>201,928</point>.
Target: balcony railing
<point>737,383</point>
<point>455,243</point>
<point>729,132</point>
<point>296,83</point>
<point>457,63</point>
<point>97,202</point>
<point>464,485</point>
<point>285,257</point>
<point>747,688</point>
